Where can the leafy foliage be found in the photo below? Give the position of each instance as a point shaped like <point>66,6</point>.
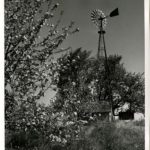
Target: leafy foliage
<point>84,80</point>
<point>133,91</point>
<point>28,64</point>
<point>70,81</point>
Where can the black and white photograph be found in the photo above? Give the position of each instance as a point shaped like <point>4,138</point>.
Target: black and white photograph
<point>74,75</point>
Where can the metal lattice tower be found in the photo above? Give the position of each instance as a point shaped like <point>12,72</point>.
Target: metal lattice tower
<point>99,19</point>
<point>101,46</point>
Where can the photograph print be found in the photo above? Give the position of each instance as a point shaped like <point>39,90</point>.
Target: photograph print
<point>74,75</point>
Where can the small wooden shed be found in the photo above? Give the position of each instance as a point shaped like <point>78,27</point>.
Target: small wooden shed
<point>101,110</point>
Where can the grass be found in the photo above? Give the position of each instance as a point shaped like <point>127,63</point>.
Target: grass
<point>119,135</point>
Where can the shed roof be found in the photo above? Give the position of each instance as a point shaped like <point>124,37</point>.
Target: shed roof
<point>102,106</point>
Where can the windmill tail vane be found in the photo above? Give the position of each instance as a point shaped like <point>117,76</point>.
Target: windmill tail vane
<point>114,13</point>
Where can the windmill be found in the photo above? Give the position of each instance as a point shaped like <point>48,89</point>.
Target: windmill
<point>100,20</point>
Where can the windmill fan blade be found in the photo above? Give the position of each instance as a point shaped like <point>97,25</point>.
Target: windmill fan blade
<point>95,17</point>
<point>115,12</point>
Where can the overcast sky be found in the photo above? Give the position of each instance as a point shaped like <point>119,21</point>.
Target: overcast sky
<point>124,33</point>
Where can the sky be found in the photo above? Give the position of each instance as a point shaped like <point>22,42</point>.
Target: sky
<point>124,33</point>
